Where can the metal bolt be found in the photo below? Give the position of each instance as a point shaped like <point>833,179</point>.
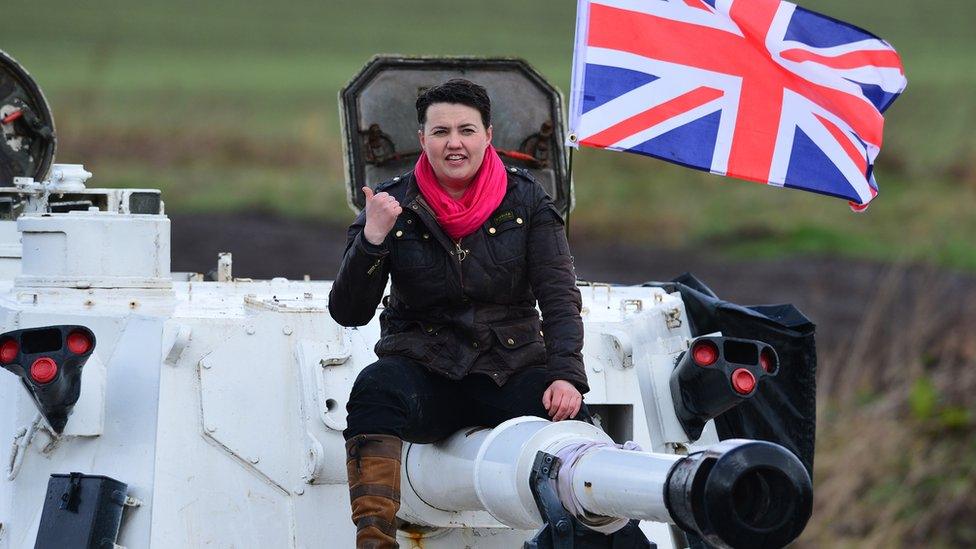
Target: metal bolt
<point>249,330</point>
<point>519,220</point>
<point>206,365</point>
<point>286,330</point>
<point>510,341</point>
<point>255,459</point>
<point>211,429</point>
<point>562,526</point>
<point>299,491</point>
<point>492,231</point>
<point>399,234</point>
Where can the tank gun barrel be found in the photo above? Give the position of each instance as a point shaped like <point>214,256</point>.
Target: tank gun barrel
<point>738,493</point>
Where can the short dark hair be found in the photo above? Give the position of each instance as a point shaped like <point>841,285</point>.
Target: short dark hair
<point>458,91</point>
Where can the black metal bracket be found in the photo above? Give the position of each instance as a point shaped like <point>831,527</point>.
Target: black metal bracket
<point>69,499</point>
<point>563,531</point>
<point>557,532</point>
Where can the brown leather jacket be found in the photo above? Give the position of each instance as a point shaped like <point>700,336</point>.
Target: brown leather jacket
<point>469,307</point>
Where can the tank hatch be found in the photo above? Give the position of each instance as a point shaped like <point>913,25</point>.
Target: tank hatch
<point>28,138</point>
<point>379,119</point>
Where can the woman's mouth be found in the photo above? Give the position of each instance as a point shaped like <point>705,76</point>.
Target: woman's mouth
<point>455,159</point>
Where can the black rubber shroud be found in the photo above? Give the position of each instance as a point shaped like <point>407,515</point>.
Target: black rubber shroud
<point>741,493</point>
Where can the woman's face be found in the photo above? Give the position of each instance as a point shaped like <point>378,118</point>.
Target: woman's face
<point>454,139</point>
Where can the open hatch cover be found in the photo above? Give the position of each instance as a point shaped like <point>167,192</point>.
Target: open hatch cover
<point>28,142</point>
<point>379,119</point>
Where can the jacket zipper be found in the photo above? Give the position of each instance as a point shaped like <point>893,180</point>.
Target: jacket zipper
<point>375,266</point>
<point>460,252</point>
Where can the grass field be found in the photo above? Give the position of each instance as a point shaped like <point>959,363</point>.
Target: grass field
<point>229,106</point>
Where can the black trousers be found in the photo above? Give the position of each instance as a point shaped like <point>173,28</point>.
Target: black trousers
<point>399,396</point>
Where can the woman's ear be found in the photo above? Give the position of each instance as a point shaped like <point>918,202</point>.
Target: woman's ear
<point>423,139</point>
<point>488,133</point>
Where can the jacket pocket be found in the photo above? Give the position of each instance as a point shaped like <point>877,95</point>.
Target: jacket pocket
<point>506,234</point>
<point>413,248</point>
<point>417,340</point>
<point>520,345</point>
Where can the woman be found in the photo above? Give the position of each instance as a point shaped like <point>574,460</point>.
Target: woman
<point>470,247</point>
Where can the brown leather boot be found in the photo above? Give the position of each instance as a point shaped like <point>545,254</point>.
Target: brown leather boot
<point>373,466</point>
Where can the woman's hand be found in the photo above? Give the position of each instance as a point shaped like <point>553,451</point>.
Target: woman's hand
<point>381,213</point>
<point>562,400</point>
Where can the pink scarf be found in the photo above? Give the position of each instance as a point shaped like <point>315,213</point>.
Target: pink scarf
<point>461,217</point>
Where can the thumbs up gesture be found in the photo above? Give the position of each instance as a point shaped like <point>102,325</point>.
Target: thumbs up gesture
<point>381,213</point>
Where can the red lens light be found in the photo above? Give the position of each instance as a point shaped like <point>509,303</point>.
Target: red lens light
<point>8,351</point>
<point>767,360</point>
<point>743,381</point>
<point>704,353</point>
<point>78,342</point>
<point>43,370</point>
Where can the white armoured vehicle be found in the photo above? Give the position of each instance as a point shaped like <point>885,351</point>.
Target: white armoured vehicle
<point>147,408</point>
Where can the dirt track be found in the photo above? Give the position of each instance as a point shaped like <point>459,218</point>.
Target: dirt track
<point>834,293</point>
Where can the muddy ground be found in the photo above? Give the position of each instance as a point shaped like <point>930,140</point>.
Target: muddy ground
<point>835,293</point>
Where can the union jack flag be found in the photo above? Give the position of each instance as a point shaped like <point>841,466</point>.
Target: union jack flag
<point>761,90</point>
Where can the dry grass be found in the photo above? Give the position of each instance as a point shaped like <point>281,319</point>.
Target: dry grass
<point>896,449</point>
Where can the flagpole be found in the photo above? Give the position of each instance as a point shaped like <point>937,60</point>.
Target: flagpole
<point>575,97</point>
<point>569,199</point>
